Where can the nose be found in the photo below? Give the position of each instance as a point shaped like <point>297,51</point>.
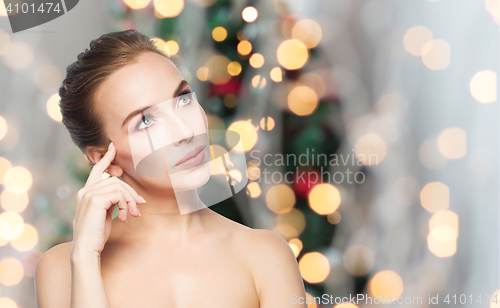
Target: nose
<point>181,130</point>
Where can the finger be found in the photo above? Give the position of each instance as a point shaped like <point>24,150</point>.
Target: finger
<point>99,168</point>
<point>111,199</point>
<point>138,199</point>
<point>117,186</point>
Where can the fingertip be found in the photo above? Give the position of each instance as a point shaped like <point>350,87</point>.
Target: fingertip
<point>141,199</point>
<point>110,145</point>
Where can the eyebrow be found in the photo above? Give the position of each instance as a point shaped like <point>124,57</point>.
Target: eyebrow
<point>179,88</point>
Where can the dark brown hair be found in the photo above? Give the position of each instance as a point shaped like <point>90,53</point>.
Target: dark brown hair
<point>106,55</point>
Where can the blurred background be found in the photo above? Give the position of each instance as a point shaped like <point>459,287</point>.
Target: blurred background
<point>390,108</point>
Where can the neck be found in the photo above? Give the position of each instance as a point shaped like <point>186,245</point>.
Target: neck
<point>167,214</point>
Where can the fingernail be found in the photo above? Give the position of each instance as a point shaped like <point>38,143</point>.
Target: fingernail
<point>142,199</point>
<point>138,211</point>
<point>110,145</point>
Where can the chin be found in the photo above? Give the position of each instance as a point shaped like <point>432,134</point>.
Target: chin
<point>191,178</point>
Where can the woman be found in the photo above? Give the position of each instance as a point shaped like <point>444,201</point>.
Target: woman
<point>149,255</point>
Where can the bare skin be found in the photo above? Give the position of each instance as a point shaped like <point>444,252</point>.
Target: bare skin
<point>160,258</point>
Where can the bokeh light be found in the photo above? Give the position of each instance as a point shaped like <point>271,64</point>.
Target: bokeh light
<point>11,225</point>
<point>444,225</point>
<point>324,198</point>
<point>219,34</point>
<point>27,240</point>
<point>230,100</point>
<point>234,68</point>
<point>370,149</point>
<point>217,69</point>
<point>392,107</point>
<point>169,8</point>
<point>19,55</point>
<point>334,218</point>
<point>13,202</point>
<point>483,86</point>
<point>137,4</point>
<point>415,39</point>
<point>53,109</point>
<point>435,196</point>
<point>309,298</point>
<point>172,47</point>
<point>18,180</point>
<point>436,54</point>
<point>429,156</point>
<point>276,74</point>
<point>258,81</point>
<point>6,302</point>
<point>280,198</point>
<point>244,47</point>
<point>253,172</point>
<point>249,14</point>
<point>313,81</point>
<point>202,73</point>
<point>290,224</point>
<point>493,7</point>
<point>11,271</point>
<point>452,143</point>
<point>160,44</point>
<point>4,127</point>
<point>345,305</point>
<point>314,267</point>
<point>302,100</point>
<point>3,11</point>
<point>267,123</point>
<point>386,284</point>
<point>440,248</point>
<point>308,32</point>
<point>48,78</point>
<point>296,246</point>
<point>256,60</point>
<point>292,54</point>
<point>253,190</point>
<point>247,132</point>
<point>495,297</point>
<point>5,165</point>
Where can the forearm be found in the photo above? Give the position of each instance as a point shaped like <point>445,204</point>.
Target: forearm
<point>87,287</point>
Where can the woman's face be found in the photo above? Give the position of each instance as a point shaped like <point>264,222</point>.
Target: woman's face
<point>157,126</point>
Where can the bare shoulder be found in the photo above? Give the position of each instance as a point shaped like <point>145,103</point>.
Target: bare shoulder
<point>53,277</point>
<point>264,244</point>
<point>273,266</point>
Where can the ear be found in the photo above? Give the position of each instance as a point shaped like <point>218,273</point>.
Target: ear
<point>95,154</point>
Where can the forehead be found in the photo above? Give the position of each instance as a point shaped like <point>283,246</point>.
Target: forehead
<point>150,80</point>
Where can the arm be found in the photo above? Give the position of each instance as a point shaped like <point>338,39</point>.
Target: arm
<point>66,279</point>
<point>69,275</point>
<point>87,288</point>
<point>275,270</point>
<point>53,277</point>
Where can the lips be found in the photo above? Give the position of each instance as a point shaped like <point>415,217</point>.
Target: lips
<point>192,158</point>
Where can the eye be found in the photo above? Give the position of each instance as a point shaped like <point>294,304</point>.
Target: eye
<point>145,122</point>
<point>183,101</point>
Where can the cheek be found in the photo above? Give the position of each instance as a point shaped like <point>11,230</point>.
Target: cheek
<point>204,116</point>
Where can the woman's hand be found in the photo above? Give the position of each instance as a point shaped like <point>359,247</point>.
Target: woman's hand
<point>95,206</point>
